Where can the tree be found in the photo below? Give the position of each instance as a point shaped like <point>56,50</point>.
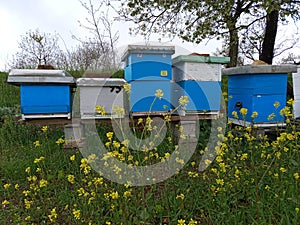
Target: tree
<point>36,48</point>
<point>195,21</point>
<point>275,10</point>
<point>192,20</point>
<point>98,51</point>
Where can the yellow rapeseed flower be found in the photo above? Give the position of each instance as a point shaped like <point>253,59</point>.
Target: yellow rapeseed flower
<point>76,214</point>
<point>181,222</point>
<point>6,186</point>
<point>53,215</point>
<point>183,100</point>
<point>100,110</point>
<point>282,169</point>
<point>43,183</point>
<point>44,128</point>
<point>114,195</point>
<point>276,104</point>
<point>71,178</point>
<point>127,87</point>
<point>159,93</point>
<point>192,222</point>
<point>244,111</point>
<point>181,196</point>
<point>235,114</point>
<point>36,143</point>
<point>254,115</point>
<point>60,141</point>
<point>296,176</point>
<point>5,202</point>
<point>37,160</point>
<point>72,158</point>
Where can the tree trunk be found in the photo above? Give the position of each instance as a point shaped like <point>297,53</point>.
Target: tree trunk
<point>233,47</point>
<point>267,53</point>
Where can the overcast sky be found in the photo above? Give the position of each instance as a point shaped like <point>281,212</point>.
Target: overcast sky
<point>61,16</point>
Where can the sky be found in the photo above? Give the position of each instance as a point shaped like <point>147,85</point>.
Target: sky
<point>61,16</point>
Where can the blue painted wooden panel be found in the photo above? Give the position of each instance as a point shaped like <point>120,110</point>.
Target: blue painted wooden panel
<point>140,66</point>
<point>257,93</point>
<point>143,94</point>
<point>262,104</point>
<point>44,99</point>
<point>257,84</point>
<point>203,95</point>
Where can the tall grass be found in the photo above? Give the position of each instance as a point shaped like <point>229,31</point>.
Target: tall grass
<point>253,180</point>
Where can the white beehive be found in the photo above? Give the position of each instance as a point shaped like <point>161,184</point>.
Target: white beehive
<point>296,89</point>
<point>107,93</point>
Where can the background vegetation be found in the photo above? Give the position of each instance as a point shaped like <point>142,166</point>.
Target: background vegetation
<point>253,180</point>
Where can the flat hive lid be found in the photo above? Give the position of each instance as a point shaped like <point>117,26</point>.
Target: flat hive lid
<point>100,82</point>
<point>148,49</point>
<point>260,69</point>
<point>201,59</point>
<point>37,76</point>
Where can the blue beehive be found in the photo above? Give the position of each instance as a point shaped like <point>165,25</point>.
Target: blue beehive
<point>43,93</point>
<point>257,88</point>
<point>203,95</point>
<point>141,61</point>
<point>198,77</point>
<point>143,92</point>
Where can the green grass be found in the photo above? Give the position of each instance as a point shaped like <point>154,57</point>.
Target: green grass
<point>253,180</point>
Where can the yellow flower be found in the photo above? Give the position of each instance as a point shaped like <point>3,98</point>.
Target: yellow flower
<point>76,214</point>
<point>244,111</point>
<point>276,104</point>
<point>267,187</point>
<point>27,218</point>
<point>109,135</point>
<point>72,158</point>
<point>108,223</point>
<point>235,114</point>
<point>159,93</point>
<point>53,215</point>
<point>290,102</point>
<point>271,116</point>
<point>244,156</point>
<point>283,170</point>
<point>37,160</point>
<point>181,222</point>
<point>100,110</point>
<point>114,195</point>
<point>192,222</point>
<point>127,87</point>
<point>296,176</point>
<point>127,194</point>
<point>118,110</point>
<point>220,182</point>
<point>43,183</point>
<point>27,170</point>
<point>5,202</point>
<point>26,192</point>
<point>6,186</point>
<point>17,186</point>
<point>36,143</point>
<point>27,203</point>
<point>44,128</point>
<point>180,161</point>
<point>71,178</point>
<point>60,141</point>
<point>254,115</point>
<point>183,100</point>
<point>297,210</point>
<point>181,196</point>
